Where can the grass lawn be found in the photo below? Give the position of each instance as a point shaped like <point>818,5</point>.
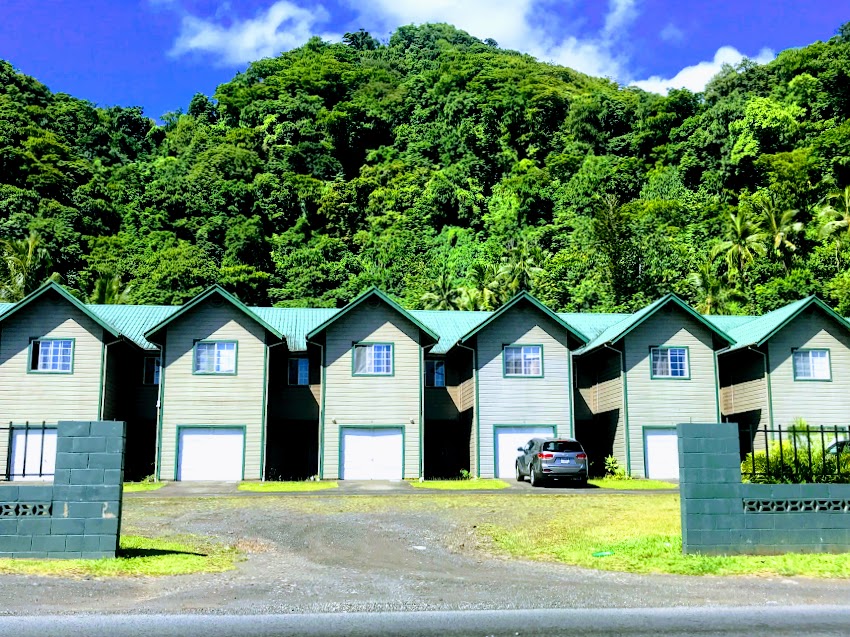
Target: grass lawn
<point>634,534</point>
<point>288,487</point>
<point>461,485</point>
<point>134,487</point>
<point>631,485</point>
<point>138,556</point>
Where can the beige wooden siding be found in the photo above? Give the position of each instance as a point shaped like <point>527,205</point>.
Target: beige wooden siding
<point>743,388</point>
<point>195,399</point>
<point>668,401</point>
<point>519,401</point>
<point>372,400</point>
<point>38,397</point>
<point>600,392</point>
<point>819,403</point>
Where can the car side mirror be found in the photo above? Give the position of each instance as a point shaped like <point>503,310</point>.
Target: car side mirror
<point>520,448</point>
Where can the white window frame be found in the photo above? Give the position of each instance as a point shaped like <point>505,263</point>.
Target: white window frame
<point>50,360</point>
<point>815,362</point>
<point>301,371</point>
<point>436,380</point>
<point>528,357</point>
<point>157,370</point>
<point>661,358</point>
<point>211,358</point>
<point>376,359</point>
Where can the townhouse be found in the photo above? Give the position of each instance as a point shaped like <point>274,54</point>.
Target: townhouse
<point>216,390</point>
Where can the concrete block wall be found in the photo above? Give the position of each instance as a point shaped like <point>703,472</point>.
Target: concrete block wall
<point>79,515</point>
<point>722,516</point>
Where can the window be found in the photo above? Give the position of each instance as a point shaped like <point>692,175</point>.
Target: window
<point>812,364</point>
<point>299,371</point>
<point>52,355</point>
<point>562,446</point>
<point>150,376</point>
<point>435,373</point>
<point>670,362</point>
<point>215,357</point>
<point>373,359</point>
<point>523,360</point>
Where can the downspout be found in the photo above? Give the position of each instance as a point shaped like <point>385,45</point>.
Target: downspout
<point>625,405</point>
<point>321,410</point>
<point>104,359</point>
<point>264,437</point>
<point>717,353</point>
<point>477,469</point>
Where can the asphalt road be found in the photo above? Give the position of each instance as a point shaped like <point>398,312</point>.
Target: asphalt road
<point>668,622</point>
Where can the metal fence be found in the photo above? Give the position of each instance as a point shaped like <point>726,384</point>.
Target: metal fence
<point>29,450</point>
<point>795,454</point>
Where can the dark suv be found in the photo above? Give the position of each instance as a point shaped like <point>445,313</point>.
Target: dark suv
<point>548,459</point>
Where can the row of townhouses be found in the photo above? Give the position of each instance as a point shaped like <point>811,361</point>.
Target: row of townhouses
<point>215,390</point>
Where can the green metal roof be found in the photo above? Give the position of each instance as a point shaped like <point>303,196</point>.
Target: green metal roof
<point>450,325</point>
<point>591,324</point>
<point>132,321</point>
<point>295,322</point>
<point>727,323</point>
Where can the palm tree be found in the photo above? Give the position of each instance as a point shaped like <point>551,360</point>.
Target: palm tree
<point>521,266</point>
<point>835,221</point>
<point>485,280</point>
<point>24,264</point>
<point>443,293</point>
<point>779,225</point>
<point>469,298</point>
<point>109,290</point>
<point>745,241</point>
<point>715,296</point>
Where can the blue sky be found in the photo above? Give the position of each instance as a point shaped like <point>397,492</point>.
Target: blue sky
<point>158,53</point>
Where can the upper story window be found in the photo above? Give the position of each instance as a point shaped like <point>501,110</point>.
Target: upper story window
<point>435,373</point>
<point>299,371</point>
<point>215,357</point>
<point>670,362</point>
<point>52,355</point>
<point>812,364</point>
<point>150,374</point>
<point>373,359</point>
<point>523,360</point>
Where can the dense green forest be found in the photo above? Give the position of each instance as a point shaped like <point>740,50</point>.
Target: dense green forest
<point>447,171</point>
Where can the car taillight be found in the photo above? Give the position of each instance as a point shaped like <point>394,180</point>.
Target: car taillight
<point>581,456</point>
<point>545,455</point>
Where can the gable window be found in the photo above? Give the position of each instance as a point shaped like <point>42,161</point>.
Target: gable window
<point>373,359</point>
<point>150,375</point>
<point>299,371</point>
<point>52,355</point>
<point>435,373</point>
<point>812,364</point>
<point>215,357</point>
<point>670,362</point>
<point>523,360</point>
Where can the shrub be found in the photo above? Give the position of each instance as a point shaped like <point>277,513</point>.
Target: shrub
<point>795,464</point>
<point>614,471</point>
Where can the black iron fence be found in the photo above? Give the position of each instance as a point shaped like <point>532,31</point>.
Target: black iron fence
<point>30,451</point>
<point>795,454</point>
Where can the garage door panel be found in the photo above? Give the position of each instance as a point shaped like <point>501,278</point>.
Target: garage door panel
<point>210,453</point>
<point>661,449</point>
<point>508,439</point>
<point>372,454</point>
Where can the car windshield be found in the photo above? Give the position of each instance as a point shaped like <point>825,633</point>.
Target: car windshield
<point>561,446</point>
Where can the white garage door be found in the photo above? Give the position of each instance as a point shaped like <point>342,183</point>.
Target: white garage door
<point>661,447</point>
<point>210,453</point>
<point>372,454</point>
<point>508,440</point>
<point>33,455</point>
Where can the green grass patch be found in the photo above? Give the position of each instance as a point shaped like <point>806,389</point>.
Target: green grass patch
<point>475,484</point>
<point>135,487</point>
<point>288,487</point>
<point>137,557</point>
<point>637,535</point>
<point>631,485</point>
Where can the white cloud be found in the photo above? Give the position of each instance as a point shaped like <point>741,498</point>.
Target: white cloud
<point>621,13</point>
<point>281,27</point>
<point>695,77</point>
<point>672,33</point>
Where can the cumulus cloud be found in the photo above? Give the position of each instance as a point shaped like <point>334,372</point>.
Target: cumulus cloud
<point>281,27</point>
<point>672,33</point>
<point>695,77</point>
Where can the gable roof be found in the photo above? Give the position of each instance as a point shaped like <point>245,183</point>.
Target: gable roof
<point>203,296</point>
<point>618,330</point>
<point>762,328</point>
<point>58,289</point>
<point>373,292</point>
<point>523,296</point>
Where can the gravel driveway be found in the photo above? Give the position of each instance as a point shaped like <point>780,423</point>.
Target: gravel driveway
<point>363,553</point>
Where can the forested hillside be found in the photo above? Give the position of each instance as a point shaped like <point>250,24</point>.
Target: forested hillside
<point>447,171</point>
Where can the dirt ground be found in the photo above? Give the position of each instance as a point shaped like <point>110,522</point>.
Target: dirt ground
<point>367,553</point>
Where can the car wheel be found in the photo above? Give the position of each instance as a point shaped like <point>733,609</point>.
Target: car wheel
<point>519,476</point>
<point>532,477</point>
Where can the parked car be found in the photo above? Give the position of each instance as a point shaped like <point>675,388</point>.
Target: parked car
<point>544,460</point>
<point>839,447</point>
